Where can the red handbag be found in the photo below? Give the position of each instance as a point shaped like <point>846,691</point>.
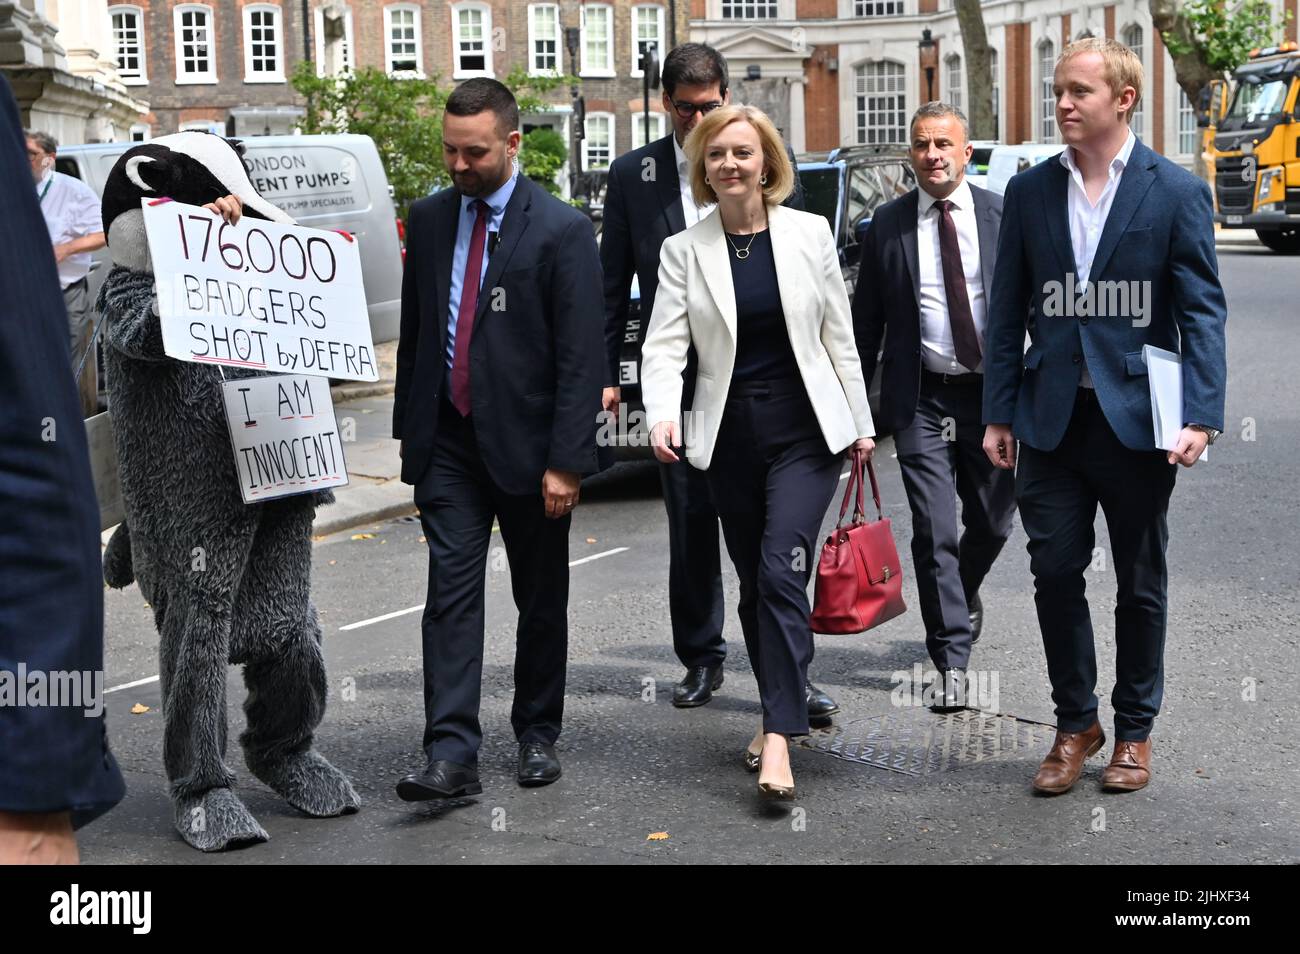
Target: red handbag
<point>859,576</point>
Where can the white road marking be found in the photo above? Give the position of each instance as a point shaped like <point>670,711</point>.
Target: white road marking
<point>132,685</point>
<point>416,609</point>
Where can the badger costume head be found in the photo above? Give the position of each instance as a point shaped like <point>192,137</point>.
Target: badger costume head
<point>191,167</point>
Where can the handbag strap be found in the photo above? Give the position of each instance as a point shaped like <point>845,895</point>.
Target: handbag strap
<point>856,483</point>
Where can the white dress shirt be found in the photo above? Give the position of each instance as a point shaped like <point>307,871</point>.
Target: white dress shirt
<point>938,353</point>
<point>692,211</point>
<point>1088,220</point>
<point>71,211</point>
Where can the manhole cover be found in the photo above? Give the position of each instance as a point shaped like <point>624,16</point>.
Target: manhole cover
<point>916,741</point>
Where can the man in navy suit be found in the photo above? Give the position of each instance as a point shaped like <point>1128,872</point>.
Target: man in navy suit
<point>56,771</point>
<point>499,372</point>
<point>648,198</point>
<point>923,285</point>
<point>1113,247</point>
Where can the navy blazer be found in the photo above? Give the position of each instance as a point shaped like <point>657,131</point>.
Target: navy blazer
<point>887,299</point>
<point>643,206</point>
<point>1158,242</point>
<point>536,365</point>
<point>52,758</point>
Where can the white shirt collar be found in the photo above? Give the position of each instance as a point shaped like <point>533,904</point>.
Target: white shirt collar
<point>679,153</point>
<point>961,198</point>
<point>45,179</point>
<point>1117,164</point>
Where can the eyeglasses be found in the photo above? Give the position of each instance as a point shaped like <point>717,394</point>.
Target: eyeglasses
<point>687,110</point>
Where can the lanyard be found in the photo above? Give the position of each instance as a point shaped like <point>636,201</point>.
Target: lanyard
<point>48,182</point>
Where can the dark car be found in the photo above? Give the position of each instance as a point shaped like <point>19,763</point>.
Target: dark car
<point>846,186</point>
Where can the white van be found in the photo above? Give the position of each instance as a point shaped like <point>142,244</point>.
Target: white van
<point>325,182</point>
<point>1006,161</point>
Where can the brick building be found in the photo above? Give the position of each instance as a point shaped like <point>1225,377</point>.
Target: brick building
<point>224,64</point>
<point>833,72</point>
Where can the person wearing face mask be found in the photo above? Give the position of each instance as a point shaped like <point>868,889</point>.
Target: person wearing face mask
<point>71,211</point>
<point>755,288</point>
<point>923,284</point>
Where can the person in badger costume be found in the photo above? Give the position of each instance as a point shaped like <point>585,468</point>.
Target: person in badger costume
<point>229,582</point>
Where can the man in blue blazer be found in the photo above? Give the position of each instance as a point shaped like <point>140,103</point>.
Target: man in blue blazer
<point>56,771</point>
<point>1112,247</point>
<point>499,372</point>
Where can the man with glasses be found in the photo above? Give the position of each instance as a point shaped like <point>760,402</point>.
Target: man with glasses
<point>648,198</point>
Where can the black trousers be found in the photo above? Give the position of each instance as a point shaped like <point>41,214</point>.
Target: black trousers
<point>695,600</point>
<point>1058,493</point>
<point>941,457</point>
<point>772,478</point>
<point>458,501</point>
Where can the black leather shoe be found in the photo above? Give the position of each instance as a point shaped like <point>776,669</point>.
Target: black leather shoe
<point>538,764</point>
<point>820,705</point>
<point>976,618</point>
<point>696,687</point>
<point>950,691</point>
<point>442,779</point>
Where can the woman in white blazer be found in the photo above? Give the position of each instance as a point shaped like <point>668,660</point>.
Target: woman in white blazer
<point>756,289</point>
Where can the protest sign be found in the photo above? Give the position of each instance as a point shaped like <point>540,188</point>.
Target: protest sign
<point>259,294</point>
<point>285,438</point>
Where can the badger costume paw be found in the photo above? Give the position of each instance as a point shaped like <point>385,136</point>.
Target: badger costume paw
<point>309,783</point>
<point>217,820</point>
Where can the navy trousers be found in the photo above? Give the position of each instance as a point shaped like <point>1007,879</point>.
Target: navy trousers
<point>1058,492</point>
<point>772,478</point>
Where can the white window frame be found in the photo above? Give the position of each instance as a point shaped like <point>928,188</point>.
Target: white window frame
<point>1045,53</point>
<point>141,76</point>
<point>533,69</point>
<point>277,27</point>
<point>660,27</point>
<point>204,125</point>
<point>1189,134</point>
<point>898,74</point>
<point>748,10</point>
<point>952,66</point>
<point>456,10</point>
<point>418,72</point>
<point>318,41</point>
<point>658,127</point>
<point>1137,120</point>
<point>143,128</point>
<point>210,75</point>
<point>598,71</point>
<point>586,141</point>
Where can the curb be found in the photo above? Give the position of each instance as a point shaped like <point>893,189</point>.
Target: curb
<point>340,393</point>
<point>331,525</point>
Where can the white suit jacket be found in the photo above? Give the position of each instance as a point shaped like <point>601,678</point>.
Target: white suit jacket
<point>696,304</point>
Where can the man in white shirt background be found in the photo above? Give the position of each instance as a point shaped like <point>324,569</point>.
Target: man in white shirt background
<point>926,267</point>
<point>72,216</point>
<point>648,198</point>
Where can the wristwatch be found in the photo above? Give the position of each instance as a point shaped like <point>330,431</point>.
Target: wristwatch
<point>1210,433</point>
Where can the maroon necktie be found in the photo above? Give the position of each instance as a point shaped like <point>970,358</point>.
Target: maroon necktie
<point>964,339</point>
<point>468,306</point>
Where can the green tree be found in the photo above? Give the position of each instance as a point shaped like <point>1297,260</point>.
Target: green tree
<point>404,118</point>
<point>542,156</point>
<point>1209,38</point>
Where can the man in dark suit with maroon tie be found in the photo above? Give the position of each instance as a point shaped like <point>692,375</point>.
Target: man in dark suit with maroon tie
<point>499,374</point>
<point>926,273</point>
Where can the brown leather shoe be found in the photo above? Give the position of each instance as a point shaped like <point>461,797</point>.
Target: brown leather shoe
<point>1061,769</point>
<point>1129,768</point>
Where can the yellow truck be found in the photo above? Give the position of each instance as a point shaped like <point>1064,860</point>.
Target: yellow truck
<point>1257,149</point>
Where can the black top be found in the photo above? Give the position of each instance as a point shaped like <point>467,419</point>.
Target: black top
<point>763,351</point>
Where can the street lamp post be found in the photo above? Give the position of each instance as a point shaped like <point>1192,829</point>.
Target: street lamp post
<point>929,62</point>
<point>572,37</point>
